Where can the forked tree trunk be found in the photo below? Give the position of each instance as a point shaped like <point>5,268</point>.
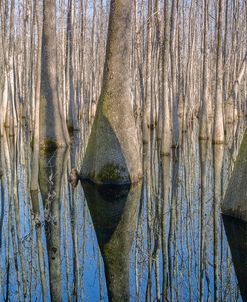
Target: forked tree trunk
<point>112,154</point>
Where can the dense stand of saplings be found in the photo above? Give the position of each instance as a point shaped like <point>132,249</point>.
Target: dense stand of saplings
<point>186,60</point>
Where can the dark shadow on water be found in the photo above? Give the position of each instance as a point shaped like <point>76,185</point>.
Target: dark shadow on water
<point>236,232</point>
<point>114,211</point>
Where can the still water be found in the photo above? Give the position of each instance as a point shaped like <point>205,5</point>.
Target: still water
<point>160,240</point>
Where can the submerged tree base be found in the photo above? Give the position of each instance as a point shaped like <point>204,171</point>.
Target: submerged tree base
<point>235,200</point>
<point>72,128</point>
<point>218,142</point>
<point>112,155</point>
<point>110,174</point>
<point>51,145</point>
<point>203,138</point>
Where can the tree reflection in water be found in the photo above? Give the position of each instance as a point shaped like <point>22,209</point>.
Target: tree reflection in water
<point>62,243</point>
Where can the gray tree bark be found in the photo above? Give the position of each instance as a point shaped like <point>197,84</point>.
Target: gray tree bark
<point>72,116</point>
<point>231,103</point>
<point>53,131</point>
<point>165,112</point>
<point>112,154</point>
<point>218,135</point>
<point>204,131</point>
<point>235,200</point>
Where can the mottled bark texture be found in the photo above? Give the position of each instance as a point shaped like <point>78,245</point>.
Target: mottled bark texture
<point>114,211</point>
<point>235,200</point>
<point>112,154</point>
<point>52,126</point>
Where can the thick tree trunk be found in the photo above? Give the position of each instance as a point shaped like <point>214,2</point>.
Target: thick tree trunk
<point>53,131</point>
<point>112,154</point>
<point>235,200</point>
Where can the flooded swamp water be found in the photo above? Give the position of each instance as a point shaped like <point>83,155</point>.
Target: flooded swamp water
<point>163,239</point>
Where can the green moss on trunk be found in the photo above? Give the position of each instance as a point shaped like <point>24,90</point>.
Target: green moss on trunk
<point>109,173</point>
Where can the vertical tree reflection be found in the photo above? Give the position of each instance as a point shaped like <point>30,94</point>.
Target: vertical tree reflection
<point>236,231</point>
<point>114,212</point>
<point>52,167</point>
<point>180,251</point>
<point>203,164</point>
<point>218,153</point>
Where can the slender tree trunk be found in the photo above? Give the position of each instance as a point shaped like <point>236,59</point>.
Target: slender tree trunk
<point>72,117</point>
<point>203,132</point>
<point>174,105</point>
<point>53,132</point>
<point>165,112</point>
<point>218,135</point>
<point>148,92</point>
